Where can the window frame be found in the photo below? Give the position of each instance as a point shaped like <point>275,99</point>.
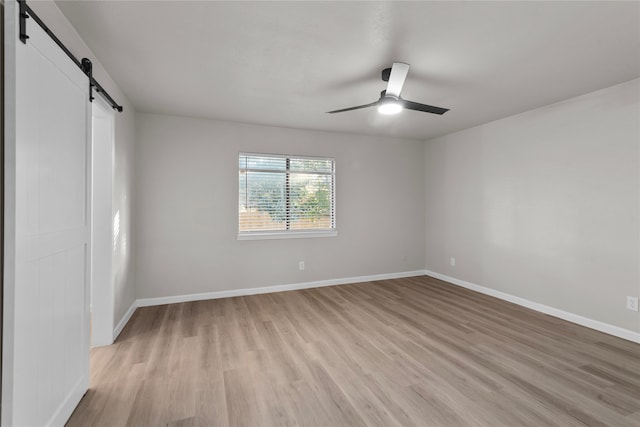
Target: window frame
<point>288,233</point>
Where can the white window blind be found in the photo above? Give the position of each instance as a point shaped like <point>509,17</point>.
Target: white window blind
<point>285,194</point>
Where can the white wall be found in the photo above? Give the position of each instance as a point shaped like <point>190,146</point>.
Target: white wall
<point>544,205</point>
<point>187,208</point>
<point>123,280</point>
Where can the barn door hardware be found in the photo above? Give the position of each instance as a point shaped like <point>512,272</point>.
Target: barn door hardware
<point>25,12</point>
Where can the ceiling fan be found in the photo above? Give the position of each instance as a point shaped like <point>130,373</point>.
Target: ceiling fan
<point>390,101</point>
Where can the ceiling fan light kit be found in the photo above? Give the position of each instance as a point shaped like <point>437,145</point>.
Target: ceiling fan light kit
<point>390,101</point>
<point>389,105</point>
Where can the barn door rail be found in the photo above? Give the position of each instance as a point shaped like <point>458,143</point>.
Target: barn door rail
<point>85,65</point>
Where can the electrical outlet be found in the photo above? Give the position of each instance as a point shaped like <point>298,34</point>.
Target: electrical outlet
<point>632,303</point>
<point>453,262</point>
<point>301,265</point>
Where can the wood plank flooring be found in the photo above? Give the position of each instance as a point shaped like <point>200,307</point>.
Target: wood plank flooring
<point>405,352</point>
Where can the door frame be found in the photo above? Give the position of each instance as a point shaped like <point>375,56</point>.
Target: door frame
<point>102,228</point>
<point>9,204</point>
<point>2,85</point>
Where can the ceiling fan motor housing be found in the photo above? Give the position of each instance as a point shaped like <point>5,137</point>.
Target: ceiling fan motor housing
<point>384,98</point>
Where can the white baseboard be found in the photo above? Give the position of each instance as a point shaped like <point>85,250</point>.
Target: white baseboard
<point>145,302</point>
<point>574,318</point>
<point>125,319</point>
<point>565,315</point>
<point>64,411</point>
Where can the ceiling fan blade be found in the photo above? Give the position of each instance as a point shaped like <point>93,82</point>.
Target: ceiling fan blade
<point>409,105</point>
<point>353,108</point>
<point>398,75</point>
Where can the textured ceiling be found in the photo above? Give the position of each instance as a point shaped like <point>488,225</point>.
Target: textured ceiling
<point>287,63</point>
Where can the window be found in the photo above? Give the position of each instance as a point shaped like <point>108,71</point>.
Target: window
<point>285,196</point>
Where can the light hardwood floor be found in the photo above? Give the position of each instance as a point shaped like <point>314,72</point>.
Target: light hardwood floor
<point>405,352</point>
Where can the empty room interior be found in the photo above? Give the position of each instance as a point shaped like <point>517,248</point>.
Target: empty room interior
<point>260,213</point>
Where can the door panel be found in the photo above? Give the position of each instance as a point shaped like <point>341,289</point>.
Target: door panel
<point>52,240</point>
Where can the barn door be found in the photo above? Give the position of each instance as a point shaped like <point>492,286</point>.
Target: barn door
<point>46,372</point>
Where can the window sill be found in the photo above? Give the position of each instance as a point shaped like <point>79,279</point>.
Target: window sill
<point>286,235</point>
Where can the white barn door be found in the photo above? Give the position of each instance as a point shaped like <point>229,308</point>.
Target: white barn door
<point>46,373</point>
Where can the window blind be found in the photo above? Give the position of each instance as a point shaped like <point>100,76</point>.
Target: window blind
<point>280,193</point>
